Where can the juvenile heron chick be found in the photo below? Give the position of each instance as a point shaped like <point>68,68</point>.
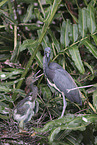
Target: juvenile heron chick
<point>60,80</point>
<point>26,108</point>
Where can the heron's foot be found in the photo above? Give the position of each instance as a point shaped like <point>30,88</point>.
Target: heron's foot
<point>33,134</point>
<point>21,130</point>
<point>61,116</point>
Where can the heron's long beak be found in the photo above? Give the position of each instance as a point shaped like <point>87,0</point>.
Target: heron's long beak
<point>48,55</point>
<point>39,76</point>
<point>36,77</point>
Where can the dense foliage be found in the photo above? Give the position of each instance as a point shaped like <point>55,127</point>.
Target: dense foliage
<point>69,28</point>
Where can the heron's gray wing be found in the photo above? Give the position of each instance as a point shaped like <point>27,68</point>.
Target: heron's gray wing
<point>64,81</point>
<point>20,103</point>
<point>36,107</point>
<point>22,109</point>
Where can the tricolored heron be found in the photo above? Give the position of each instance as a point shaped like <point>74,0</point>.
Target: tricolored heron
<point>28,106</point>
<point>60,80</point>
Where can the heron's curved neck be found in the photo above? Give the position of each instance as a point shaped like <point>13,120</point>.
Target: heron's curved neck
<point>31,86</point>
<point>45,63</point>
<point>35,92</point>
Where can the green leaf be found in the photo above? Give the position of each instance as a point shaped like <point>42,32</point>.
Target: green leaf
<point>10,82</point>
<point>90,47</point>
<point>82,22</point>
<point>49,2</point>
<point>5,89</point>
<point>28,15</point>
<point>31,45</point>
<point>5,97</point>
<point>91,22</point>
<point>4,117</point>
<point>2,26</point>
<point>45,41</point>
<point>95,38</point>
<point>74,32</point>
<point>4,108</point>
<point>89,66</point>
<point>38,15</point>
<point>55,123</point>
<point>5,75</point>
<point>55,41</point>
<point>4,49</point>
<point>46,92</point>
<point>65,31</point>
<point>68,122</point>
<point>15,54</point>
<point>28,43</point>
<point>39,57</point>
<point>72,15</point>
<point>7,18</point>
<point>32,26</point>
<point>74,52</point>
<point>54,133</point>
<point>78,123</point>
<point>4,57</point>
<point>3,2</point>
<point>95,99</point>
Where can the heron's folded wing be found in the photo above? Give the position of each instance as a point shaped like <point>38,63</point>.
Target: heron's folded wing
<point>22,109</point>
<point>64,81</point>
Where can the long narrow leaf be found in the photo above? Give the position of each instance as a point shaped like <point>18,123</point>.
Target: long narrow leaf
<point>38,56</point>
<point>55,41</point>
<point>95,38</point>
<point>4,117</point>
<point>91,22</point>
<point>82,22</point>
<point>2,26</point>
<point>89,67</point>
<point>65,30</point>
<point>74,32</point>
<point>95,99</point>
<point>78,123</point>
<point>90,47</point>
<point>74,52</point>
<point>5,75</point>
<point>3,2</point>
<point>31,45</point>
<point>27,43</point>
<point>28,14</point>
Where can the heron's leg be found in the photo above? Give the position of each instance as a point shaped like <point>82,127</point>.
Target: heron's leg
<point>21,125</point>
<point>64,105</point>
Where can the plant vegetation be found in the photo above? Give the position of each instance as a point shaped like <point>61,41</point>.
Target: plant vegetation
<point>69,28</point>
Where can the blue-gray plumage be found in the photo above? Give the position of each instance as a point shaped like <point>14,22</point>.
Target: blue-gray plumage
<point>60,79</point>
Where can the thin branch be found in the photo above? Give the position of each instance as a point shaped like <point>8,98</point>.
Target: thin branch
<point>41,8</point>
<point>15,36</point>
<point>68,90</point>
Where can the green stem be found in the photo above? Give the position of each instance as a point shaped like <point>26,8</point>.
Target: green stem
<point>15,36</point>
<point>10,7</point>
<point>41,8</point>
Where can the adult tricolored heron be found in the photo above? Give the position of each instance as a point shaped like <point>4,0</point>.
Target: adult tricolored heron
<point>60,80</point>
<point>28,106</point>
